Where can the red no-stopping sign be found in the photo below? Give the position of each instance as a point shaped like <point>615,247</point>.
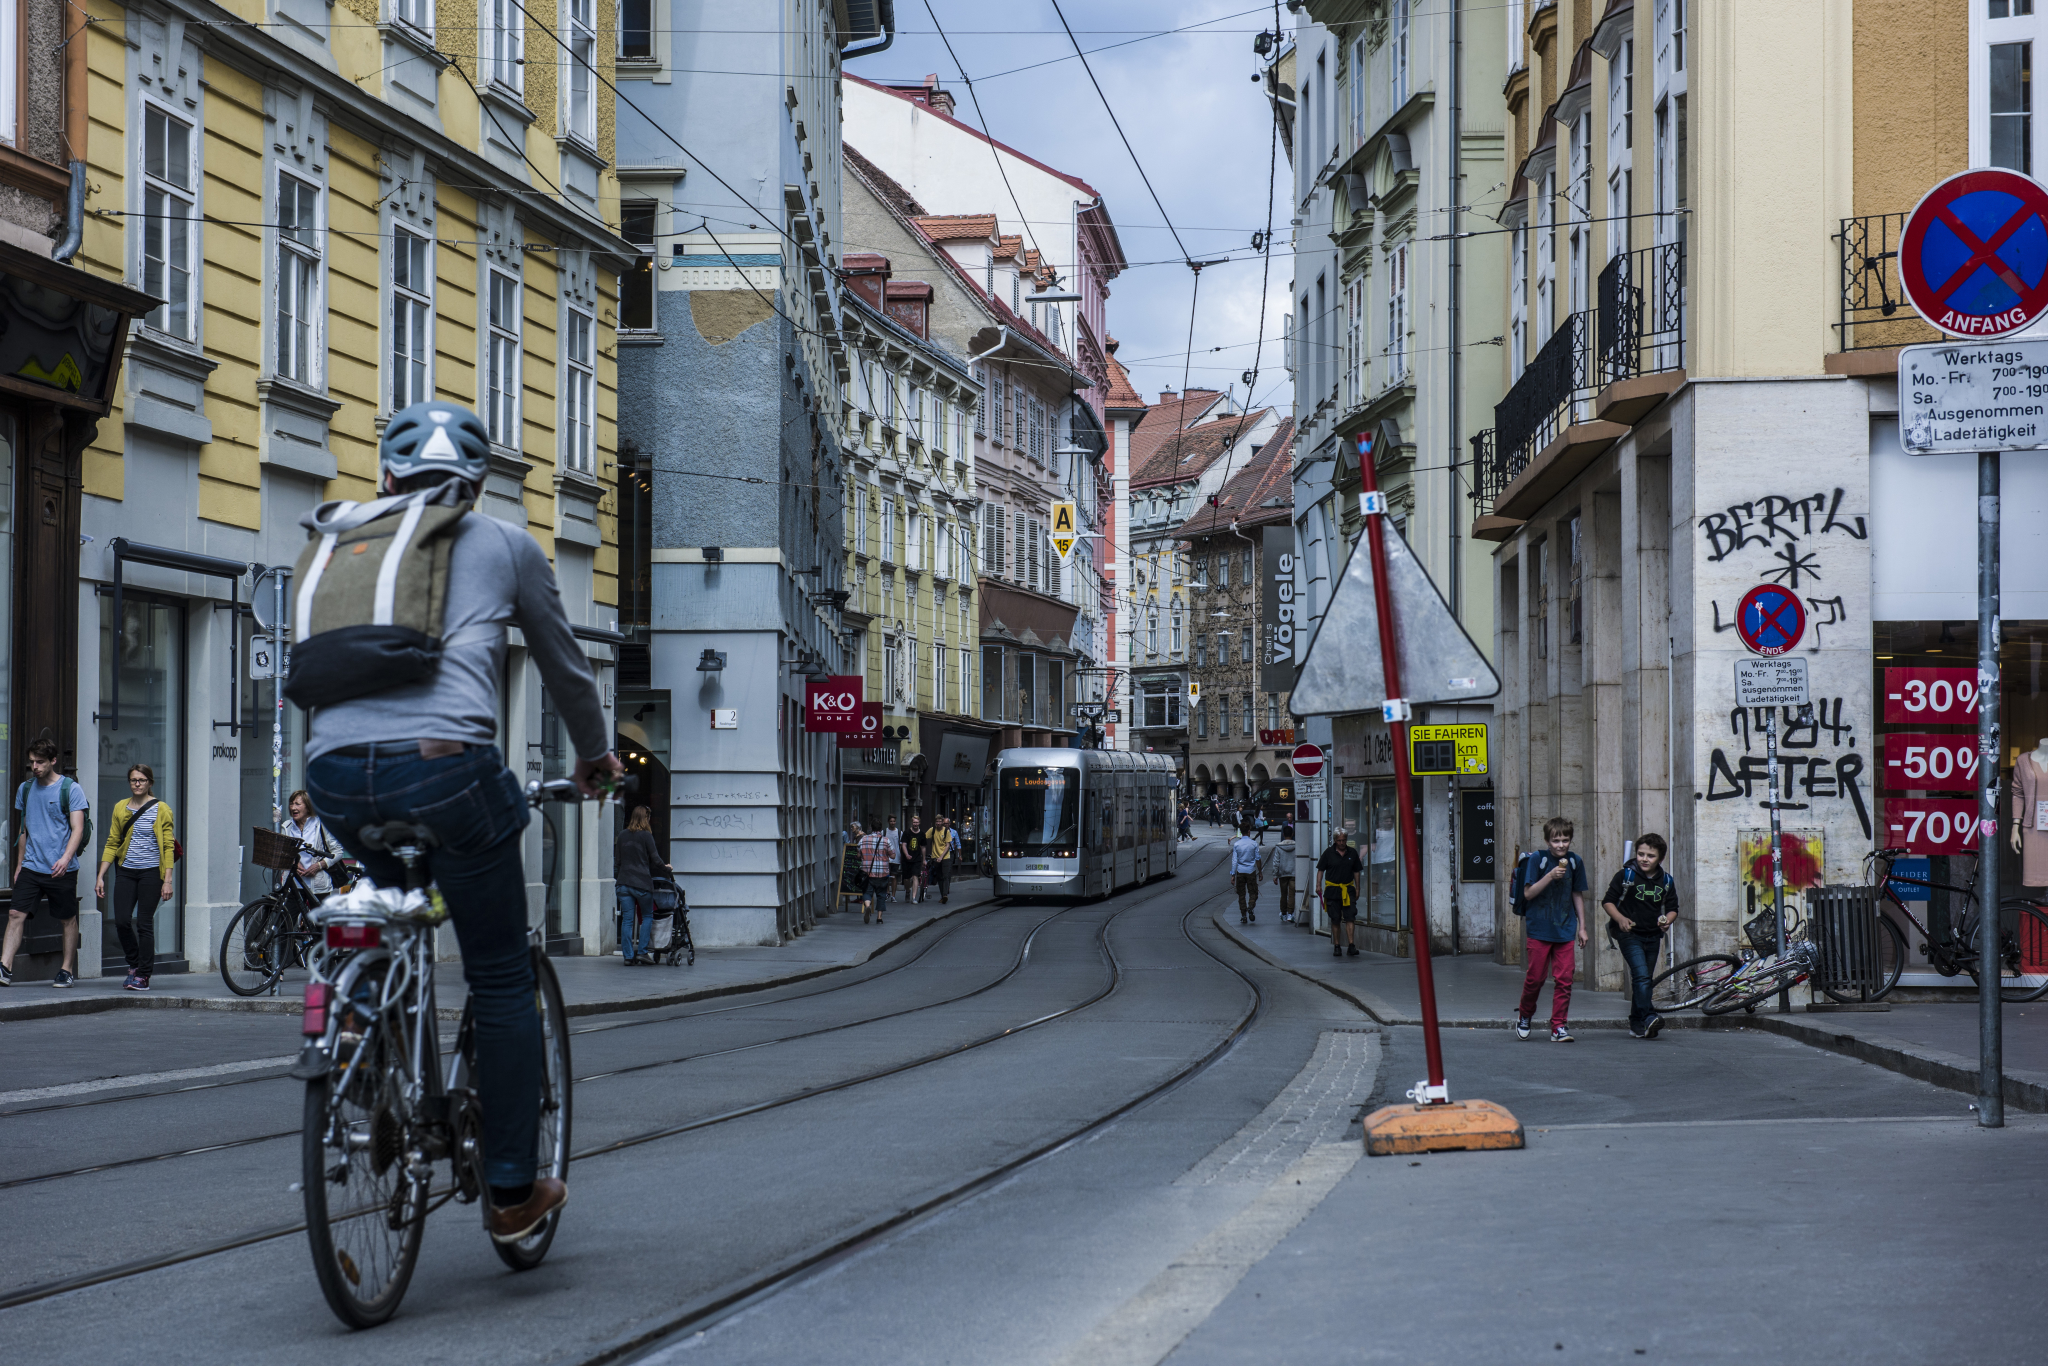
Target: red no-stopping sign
<point>1974,256</point>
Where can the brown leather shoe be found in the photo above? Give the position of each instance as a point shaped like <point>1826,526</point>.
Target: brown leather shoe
<point>509,1225</point>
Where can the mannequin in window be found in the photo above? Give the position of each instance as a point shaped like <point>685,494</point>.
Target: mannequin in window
<point>2030,814</point>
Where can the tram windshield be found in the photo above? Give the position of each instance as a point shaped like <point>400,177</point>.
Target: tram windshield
<point>1039,812</point>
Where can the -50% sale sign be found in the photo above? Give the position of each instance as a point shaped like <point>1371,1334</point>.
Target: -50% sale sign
<point>1930,762</point>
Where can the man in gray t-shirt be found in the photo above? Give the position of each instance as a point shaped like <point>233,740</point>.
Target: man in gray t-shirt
<point>426,752</point>
<point>49,814</point>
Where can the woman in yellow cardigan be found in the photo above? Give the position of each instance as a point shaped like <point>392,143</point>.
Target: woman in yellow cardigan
<point>141,839</point>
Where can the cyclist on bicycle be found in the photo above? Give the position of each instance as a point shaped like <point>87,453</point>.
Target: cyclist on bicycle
<point>425,752</point>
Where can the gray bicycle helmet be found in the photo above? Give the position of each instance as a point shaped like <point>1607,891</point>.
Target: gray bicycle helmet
<point>435,438</point>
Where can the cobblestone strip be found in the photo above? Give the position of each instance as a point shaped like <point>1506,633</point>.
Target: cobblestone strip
<point>1315,1107</point>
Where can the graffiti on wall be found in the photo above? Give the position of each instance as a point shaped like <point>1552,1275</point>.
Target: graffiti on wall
<point>1818,759</point>
<point>1774,518</point>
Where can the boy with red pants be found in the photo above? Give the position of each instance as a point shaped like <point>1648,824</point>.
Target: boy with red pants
<point>1554,890</point>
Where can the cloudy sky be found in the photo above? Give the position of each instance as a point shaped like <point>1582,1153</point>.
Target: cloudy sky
<point>1200,127</point>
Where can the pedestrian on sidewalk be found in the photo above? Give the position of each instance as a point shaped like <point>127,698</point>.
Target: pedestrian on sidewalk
<point>895,838</point>
<point>940,846</point>
<point>634,859</point>
<point>304,826</point>
<point>1262,827</point>
<point>1554,902</point>
<point>49,811</point>
<point>1641,903</point>
<point>876,861</point>
<point>913,847</point>
<point>140,845</point>
<point>1341,869</point>
<point>1247,869</point>
<point>1283,873</point>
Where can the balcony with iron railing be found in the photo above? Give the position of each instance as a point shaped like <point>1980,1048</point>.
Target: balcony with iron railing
<point>1601,372</point>
<point>1875,314</point>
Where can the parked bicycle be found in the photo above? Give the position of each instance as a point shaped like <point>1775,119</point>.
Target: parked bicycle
<point>1721,983</point>
<point>379,1109</point>
<point>273,933</point>
<point>2022,932</point>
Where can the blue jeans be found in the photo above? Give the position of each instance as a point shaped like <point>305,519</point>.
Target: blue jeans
<point>1641,952</point>
<point>476,811</point>
<point>636,922</point>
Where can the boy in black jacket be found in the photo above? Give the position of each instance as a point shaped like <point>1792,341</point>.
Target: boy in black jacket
<point>1641,903</point>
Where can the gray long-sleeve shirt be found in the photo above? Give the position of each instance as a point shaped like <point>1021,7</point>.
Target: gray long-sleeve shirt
<point>497,577</point>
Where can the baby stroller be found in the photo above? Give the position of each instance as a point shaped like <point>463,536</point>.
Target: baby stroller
<point>669,939</point>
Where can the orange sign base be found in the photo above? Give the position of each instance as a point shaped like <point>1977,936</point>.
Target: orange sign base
<point>1461,1124</point>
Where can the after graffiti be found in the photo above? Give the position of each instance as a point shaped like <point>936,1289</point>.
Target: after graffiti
<point>1763,521</point>
<point>1805,773</point>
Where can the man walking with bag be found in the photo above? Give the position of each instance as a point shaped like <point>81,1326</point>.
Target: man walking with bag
<point>942,844</point>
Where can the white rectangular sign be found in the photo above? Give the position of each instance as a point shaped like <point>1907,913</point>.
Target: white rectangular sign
<point>1974,396</point>
<point>1770,682</point>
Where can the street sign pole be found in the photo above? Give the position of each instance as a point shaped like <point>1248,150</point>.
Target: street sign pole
<point>1990,1042</point>
<point>1435,1091</point>
<point>1777,851</point>
<point>277,812</point>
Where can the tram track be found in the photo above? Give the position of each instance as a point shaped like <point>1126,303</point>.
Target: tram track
<point>143,1266</point>
<point>280,1074</point>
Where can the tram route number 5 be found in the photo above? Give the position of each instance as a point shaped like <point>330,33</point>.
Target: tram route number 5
<point>1944,696</point>
<point>1922,762</point>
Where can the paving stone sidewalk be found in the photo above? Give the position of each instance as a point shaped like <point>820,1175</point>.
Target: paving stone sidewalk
<point>591,986</point>
<point>1933,1041</point>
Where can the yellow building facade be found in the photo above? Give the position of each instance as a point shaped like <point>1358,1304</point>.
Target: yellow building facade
<point>341,210</point>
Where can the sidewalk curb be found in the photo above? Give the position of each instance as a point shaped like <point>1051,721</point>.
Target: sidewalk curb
<point>291,1005</point>
<point>1936,1066</point>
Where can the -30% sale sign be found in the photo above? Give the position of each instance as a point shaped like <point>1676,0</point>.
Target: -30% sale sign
<point>1938,696</point>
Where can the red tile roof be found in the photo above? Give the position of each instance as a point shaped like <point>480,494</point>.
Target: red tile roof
<point>957,227</point>
<point>1268,477</point>
<point>1161,421</point>
<point>1186,454</point>
<point>1120,395</point>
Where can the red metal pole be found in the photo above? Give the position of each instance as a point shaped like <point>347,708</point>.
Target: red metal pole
<point>1404,788</point>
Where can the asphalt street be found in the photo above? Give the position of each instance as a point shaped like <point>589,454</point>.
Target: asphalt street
<point>1040,1133</point>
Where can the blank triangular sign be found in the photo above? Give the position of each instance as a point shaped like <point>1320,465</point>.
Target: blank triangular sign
<point>1439,662</point>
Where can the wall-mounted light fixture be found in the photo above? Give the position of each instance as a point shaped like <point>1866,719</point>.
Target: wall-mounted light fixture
<point>714,554</point>
<point>711,662</point>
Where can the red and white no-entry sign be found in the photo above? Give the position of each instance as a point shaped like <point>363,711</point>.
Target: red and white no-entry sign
<point>1307,760</point>
<point>1974,256</point>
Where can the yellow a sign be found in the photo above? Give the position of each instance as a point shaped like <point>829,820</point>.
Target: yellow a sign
<point>1062,531</point>
<point>1194,693</point>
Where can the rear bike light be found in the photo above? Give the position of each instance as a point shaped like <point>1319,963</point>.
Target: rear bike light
<point>319,996</point>
<point>356,936</point>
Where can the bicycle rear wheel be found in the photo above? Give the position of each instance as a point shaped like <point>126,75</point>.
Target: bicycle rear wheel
<point>1891,961</point>
<point>2023,950</point>
<point>556,1085</point>
<point>252,952</point>
<point>1687,984</point>
<point>365,1212</point>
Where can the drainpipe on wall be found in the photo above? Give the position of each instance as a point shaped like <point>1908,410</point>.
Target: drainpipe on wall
<point>74,137</point>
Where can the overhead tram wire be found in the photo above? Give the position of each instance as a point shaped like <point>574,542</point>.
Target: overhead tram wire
<point>1001,170</point>
<point>1116,123</point>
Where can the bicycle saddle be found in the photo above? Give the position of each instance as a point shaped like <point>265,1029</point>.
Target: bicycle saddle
<point>394,835</point>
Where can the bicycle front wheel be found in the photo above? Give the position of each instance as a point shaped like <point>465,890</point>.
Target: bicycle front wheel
<point>365,1211</point>
<point>1696,980</point>
<point>252,952</point>
<point>556,1108</point>
<point>1891,961</point>
<point>1749,992</point>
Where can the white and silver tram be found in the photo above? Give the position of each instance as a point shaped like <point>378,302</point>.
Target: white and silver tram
<point>1082,822</point>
